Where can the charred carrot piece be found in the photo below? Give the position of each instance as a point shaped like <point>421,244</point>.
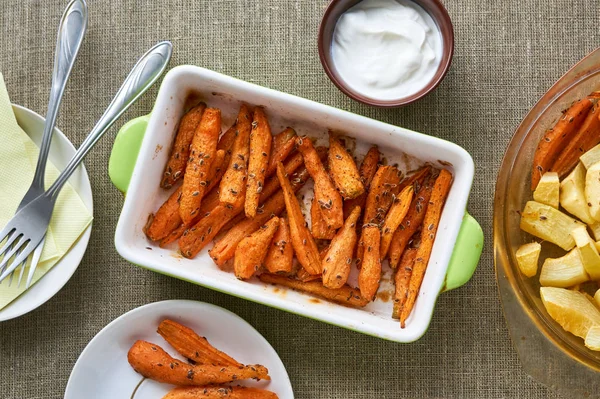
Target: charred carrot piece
<point>252,250</point>
<point>280,258</point>
<point>402,279</point>
<point>192,346</point>
<point>328,198</point>
<point>345,295</point>
<point>166,218</point>
<point>283,145</point>
<point>233,185</point>
<point>260,151</point>
<point>318,227</point>
<point>370,270</point>
<point>202,155</point>
<point>367,170</point>
<point>431,221</point>
<point>219,392</point>
<point>181,147</point>
<point>343,170</point>
<point>587,137</point>
<point>152,362</point>
<point>558,138</point>
<point>338,259</point>
<point>395,216</point>
<point>304,245</point>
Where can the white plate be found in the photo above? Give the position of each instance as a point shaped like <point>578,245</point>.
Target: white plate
<point>102,370</point>
<point>61,151</point>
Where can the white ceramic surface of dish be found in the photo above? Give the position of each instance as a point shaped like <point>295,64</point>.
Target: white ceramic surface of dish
<point>102,370</point>
<point>61,151</point>
<point>144,196</point>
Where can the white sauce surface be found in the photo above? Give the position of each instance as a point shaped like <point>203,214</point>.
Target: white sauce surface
<point>386,49</point>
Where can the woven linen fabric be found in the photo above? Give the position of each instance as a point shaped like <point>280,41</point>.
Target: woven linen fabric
<point>507,55</point>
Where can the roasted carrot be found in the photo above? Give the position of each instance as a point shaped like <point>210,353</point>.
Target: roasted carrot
<point>557,138</point>
<point>219,392</point>
<point>217,168</point>
<point>587,136</point>
<point>192,346</point>
<point>318,227</point>
<point>197,237</point>
<point>402,279</point>
<point>174,235</point>
<point>328,198</point>
<point>252,250</point>
<point>166,219</point>
<point>280,258</point>
<point>345,295</point>
<point>180,152</point>
<point>370,271</point>
<point>233,185</point>
<point>305,276</point>
<point>260,151</point>
<point>224,249</point>
<point>411,223</point>
<point>343,170</point>
<point>283,145</point>
<point>395,216</point>
<point>305,247</point>
<point>152,362</point>
<point>202,154</point>
<point>431,221</point>
<point>338,259</point>
<point>367,170</point>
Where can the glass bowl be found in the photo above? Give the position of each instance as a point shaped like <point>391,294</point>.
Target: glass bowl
<point>549,354</point>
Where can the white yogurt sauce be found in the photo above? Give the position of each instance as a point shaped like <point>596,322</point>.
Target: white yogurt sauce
<point>386,49</point>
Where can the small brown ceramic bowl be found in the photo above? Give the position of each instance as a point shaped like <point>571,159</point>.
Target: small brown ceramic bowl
<point>333,12</point>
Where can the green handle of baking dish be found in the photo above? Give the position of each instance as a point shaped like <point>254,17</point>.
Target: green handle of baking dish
<point>467,249</point>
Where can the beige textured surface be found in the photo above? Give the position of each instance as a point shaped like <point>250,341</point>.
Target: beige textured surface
<point>507,54</point>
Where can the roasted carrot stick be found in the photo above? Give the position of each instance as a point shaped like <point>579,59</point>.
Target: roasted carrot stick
<point>430,225</point>
<point>395,216</point>
<point>280,257</point>
<point>411,223</point>
<point>202,154</point>
<point>305,277</point>
<point>305,247</point>
<point>224,249</point>
<point>343,170</point>
<point>328,198</point>
<point>587,136</point>
<point>402,279</point>
<point>233,185</point>
<point>197,237</point>
<point>260,151</point>
<point>166,218</point>
<point>370,271</point>
<point>173,235</point>
<point>557,138</point>
<point>252,250</point>
<point>181,147</point>
<point>345,295</point>
<point>283,145</point>
<point>367,170</point>
<point>153,362</point>
<point>217,168</point>
<point>192,346</point>
<point>318,227</point>
<point>219,392</point>
<point>338,259</point>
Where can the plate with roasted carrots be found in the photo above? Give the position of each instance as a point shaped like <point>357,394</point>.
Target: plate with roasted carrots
<point>179,350</point>
<point>299,206</point>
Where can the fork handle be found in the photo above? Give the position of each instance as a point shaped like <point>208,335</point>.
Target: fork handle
<point>143,75</point>
<point>71,31</point>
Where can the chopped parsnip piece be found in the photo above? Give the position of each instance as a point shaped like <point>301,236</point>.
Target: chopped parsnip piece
<point>587,251</point>
<point>591,157</point>
<point>563,272</point>
<point>548,189</point>
<point>572,195</point>
<point>549,224</point>
<point>592,339</point>
<point>527,258</point>
<point>571,309</point>
<point>592,190</point>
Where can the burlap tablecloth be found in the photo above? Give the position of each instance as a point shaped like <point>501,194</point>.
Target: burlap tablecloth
<point>507,54</point>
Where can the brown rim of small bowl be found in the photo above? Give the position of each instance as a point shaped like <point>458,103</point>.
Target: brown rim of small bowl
<point>434,8</point>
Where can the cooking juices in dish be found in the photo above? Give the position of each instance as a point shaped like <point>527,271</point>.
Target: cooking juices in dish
<point>386,49</point>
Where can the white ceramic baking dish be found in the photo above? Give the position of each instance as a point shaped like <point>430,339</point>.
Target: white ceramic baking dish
<point>456,250</point>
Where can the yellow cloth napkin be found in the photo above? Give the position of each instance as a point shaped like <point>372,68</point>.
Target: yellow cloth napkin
<point>18,158</point>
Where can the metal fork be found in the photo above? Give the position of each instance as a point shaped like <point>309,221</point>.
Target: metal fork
<point>24,232</point>
<point>71,31</point>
